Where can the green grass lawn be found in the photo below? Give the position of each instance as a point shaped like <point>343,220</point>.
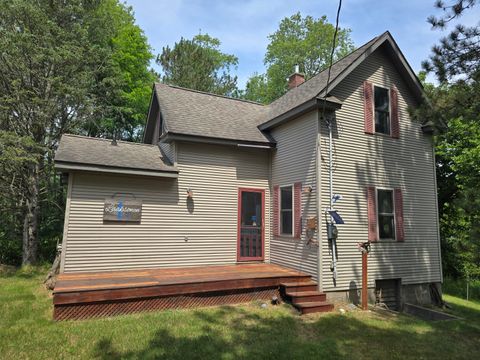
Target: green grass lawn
<point>230,332</point>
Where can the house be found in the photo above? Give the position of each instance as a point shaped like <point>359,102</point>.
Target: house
<point>223,182</point>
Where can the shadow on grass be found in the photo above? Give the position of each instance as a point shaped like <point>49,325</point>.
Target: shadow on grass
<point>236,332</point>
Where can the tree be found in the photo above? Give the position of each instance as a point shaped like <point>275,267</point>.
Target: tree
<point>62,65</point>
<point>123,90</point>
<point>459,52</point>
<point>303,41</point>
<point>200,65</point>
<point>455,62</point>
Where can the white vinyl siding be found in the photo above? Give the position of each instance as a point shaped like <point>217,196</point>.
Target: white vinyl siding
<point>363,160</point>
<point>294,161</point>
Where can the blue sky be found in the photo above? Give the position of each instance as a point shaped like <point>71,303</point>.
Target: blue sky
<point>243,26</point>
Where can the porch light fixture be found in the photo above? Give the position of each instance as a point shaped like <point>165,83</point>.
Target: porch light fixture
<point>189,193</point>
<point>307,189</point>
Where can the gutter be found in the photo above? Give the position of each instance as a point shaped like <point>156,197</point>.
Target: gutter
<point>69,166</point>
<point>169,137</point>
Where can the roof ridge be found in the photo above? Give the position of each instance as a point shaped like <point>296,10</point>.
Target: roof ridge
<point>211,94</point>
<point>105,139</point>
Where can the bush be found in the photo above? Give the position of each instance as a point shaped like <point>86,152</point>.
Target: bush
<point>458,287</point>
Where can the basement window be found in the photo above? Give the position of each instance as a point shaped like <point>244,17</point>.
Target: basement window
<point>386,214</point>
<point>382,110</point>
<point>286,210</point>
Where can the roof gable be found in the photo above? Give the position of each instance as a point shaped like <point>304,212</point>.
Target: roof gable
<point>195,113</point>
<point>314,88</point>
<point>203,115</point>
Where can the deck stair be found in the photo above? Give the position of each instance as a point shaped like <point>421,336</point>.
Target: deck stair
<point>304,296</point>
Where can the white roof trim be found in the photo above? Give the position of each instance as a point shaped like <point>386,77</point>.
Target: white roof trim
<point>113,170</point>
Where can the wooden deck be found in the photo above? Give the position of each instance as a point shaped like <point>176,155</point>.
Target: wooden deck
<point>84,295</point>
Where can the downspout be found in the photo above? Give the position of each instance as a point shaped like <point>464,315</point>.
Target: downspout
<point>330,185</point>
<point>318,186</point>
<point>437,214</point>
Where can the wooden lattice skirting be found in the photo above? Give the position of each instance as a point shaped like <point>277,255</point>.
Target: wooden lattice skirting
<point>118,307</point>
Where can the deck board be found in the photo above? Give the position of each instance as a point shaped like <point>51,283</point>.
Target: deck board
<point>84,295</point>
<point>77,282</point>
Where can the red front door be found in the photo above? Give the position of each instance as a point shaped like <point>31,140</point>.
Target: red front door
<point>251,227</point>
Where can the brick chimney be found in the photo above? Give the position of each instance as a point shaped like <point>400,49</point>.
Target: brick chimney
<point>296,78</point>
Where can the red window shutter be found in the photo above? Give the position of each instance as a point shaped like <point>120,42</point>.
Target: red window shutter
<point>276,210</point>
<point>297,209</point>
<point>394,115</point>
<point>372,214</point>
<point>368,107</point>
<point>400,233</point>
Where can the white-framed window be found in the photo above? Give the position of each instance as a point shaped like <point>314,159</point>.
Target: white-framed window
<point>385,214</point>
<point>286,210</point>
<point>382,110</point>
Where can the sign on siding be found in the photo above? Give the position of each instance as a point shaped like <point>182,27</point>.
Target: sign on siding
<point>122,210</point>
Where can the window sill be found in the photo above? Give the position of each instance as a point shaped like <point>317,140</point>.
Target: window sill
<point>384,135</point>
<point>387,241</point>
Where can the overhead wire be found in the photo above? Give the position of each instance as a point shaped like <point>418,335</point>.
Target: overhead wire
<point>331,166</point>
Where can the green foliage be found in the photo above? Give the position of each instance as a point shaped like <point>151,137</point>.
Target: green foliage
<point>456,104</point>
<point>199,64</point>
<point>124,89</point>
<point>457,53</point>
<point>458,287</point>
<point>69,66</point>
<point>17,155</point>
<point>303,41</point>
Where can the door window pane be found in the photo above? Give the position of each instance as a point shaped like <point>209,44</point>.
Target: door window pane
<point>251,208</point>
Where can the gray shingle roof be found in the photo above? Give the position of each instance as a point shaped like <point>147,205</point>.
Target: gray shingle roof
<point>74,149</point>
<point>190,112</point>
<point>197,113</point>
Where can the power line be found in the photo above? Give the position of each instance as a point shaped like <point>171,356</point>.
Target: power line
<point>334,45</point>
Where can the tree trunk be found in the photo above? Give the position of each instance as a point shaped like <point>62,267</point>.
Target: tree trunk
<point>30,222</point>
<point>51,278</point>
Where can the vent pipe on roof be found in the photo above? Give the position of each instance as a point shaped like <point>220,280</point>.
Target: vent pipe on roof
<point>114,139</point>
<point>296,78</point>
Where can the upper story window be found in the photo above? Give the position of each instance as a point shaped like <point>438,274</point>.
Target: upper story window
<point>286,210</point>
<point>382,110</point>
<point>386,214</point>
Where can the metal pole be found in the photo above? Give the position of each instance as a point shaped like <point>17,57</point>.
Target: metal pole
<point>318,187</point>
<point>364,280</point>
<point>330,160</point>
<point>467,285</point>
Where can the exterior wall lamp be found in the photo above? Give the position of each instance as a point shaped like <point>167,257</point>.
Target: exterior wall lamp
<point>307,189</point>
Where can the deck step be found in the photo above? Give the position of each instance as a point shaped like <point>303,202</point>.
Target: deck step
<point>314,307</point>
<point>306,296</point>
<point>299,286</point>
